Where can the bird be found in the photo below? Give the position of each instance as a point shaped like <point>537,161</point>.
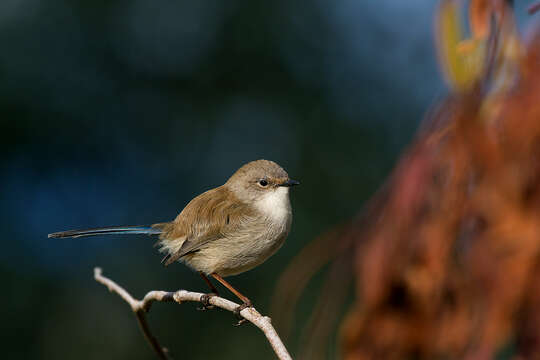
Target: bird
<point>224,231</point>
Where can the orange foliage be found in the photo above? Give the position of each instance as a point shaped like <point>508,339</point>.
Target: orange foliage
<point>451,268</point>
<point>446,261</point>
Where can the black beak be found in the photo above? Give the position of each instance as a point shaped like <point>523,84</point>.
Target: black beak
<point>290,183</point>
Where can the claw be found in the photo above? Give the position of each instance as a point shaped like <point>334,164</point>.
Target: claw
<point>240,322</point>
<point>205,301</point>
<point>236,312</point>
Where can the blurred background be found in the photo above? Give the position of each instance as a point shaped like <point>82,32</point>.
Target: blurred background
<point>119,112</point>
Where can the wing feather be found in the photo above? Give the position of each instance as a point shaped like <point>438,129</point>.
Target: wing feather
<point>208,217</point>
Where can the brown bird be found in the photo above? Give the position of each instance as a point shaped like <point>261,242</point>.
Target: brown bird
<point>224,231</point>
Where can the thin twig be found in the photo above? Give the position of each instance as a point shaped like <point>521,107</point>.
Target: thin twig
<point>140,307</point>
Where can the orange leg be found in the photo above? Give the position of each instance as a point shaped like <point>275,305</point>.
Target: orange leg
<point>210,285</point>
<point>233,290</point>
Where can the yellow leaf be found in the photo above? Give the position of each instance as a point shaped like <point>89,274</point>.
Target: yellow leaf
<point>460,59</point>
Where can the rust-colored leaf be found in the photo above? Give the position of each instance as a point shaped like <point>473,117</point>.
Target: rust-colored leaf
<point>446,259</point>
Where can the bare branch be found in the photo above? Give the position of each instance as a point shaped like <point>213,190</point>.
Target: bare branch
<point>140,307</point>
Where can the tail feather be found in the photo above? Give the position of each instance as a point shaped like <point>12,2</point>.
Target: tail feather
<point>139,229</point>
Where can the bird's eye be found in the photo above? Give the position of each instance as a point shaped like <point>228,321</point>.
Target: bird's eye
<point>263,182</point>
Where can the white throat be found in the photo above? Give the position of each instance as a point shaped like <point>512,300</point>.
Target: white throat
<point>275,205</point>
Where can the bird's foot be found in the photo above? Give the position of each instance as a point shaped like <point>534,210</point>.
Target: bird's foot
<point>237,311</point>
<point>205,301</point>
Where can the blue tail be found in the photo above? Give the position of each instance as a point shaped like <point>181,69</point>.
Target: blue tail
<point>139,229</point>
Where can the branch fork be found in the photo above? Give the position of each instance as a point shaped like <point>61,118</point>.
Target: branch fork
<point>141,307</point>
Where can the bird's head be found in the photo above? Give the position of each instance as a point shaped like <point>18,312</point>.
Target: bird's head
<point>258,179</point>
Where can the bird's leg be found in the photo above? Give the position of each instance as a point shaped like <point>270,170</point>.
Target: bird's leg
<point>244,299</point>
<point>246,302</point>
<point>213,289</point>
<point>205,299</point>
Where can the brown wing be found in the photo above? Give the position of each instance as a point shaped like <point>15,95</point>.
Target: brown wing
<point>208,217</point>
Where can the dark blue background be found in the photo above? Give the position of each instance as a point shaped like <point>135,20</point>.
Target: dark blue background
<point>119,112</point>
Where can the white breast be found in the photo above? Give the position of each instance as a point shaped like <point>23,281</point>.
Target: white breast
<point>275,205</point>
<point>251,244</point>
